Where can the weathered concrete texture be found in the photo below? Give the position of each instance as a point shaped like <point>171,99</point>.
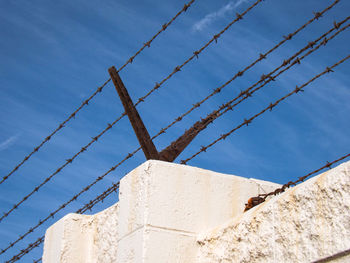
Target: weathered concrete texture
<point>83,239</point>
<point>106,235</point>
<point>162,207</point>
<point>71,233</point>
<point>306,223</point>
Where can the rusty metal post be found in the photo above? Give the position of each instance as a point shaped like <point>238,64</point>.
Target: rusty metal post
<point>171,152</point>
<point>141,132</point>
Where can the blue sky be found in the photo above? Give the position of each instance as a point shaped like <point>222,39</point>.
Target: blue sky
<point>55,53</point>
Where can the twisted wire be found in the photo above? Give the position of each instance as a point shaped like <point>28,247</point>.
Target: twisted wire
<point>98,90</point>
<point>270,107</point>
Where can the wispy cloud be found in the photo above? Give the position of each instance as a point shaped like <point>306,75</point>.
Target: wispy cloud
<point>209,18</point>
<point>7,143</point>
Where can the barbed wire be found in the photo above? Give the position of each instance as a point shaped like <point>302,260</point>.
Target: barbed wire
<point>337,25</point>
<point>228,106</point>
<point>109,126</point>
<point>60,126</point>
<point>249,92</point>
<point>199,51</point>
<point>29,248</point>
<point>164,27</point>
<point>75,197</point>
<point>246,122</point>
<point>98,90</point>
<point>261,57</point>
<point>317,15</point>
<point>270,107</point>
<point>108,191</point>
<point>254,201</point>
<point>99,198</point>
<point>269,77</point>
<point>83,209</point>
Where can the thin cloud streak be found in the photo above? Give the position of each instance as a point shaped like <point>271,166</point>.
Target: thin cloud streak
<point>208,19</point>
<point>7,143</point>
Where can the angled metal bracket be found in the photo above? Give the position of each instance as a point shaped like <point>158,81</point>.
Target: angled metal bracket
<point>171,152</point>
<point>141,132</point>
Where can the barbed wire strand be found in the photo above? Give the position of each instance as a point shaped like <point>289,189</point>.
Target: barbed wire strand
<point>94,139</point>
<point>228,106</point>
<point>198,52</point>
<point>75,197</point>
<point>60,126</point>
<point>249,92</point>
<point>88,206</point>
<point>254,201</point>
<point>270,107</point>
<point>262,56</point>
<point>97,91</point>
<point>303,178</point>
<point>159,133</point>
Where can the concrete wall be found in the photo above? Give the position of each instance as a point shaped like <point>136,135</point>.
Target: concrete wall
<point>82,238</point>
<point>162,208</point>
<point>307,223</point>
<point>175,213</point>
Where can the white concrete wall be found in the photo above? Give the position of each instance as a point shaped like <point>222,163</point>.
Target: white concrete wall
<point>82,238</point>
<point>307,223</point>
<point>162,207</point>
<point>175,213</point>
